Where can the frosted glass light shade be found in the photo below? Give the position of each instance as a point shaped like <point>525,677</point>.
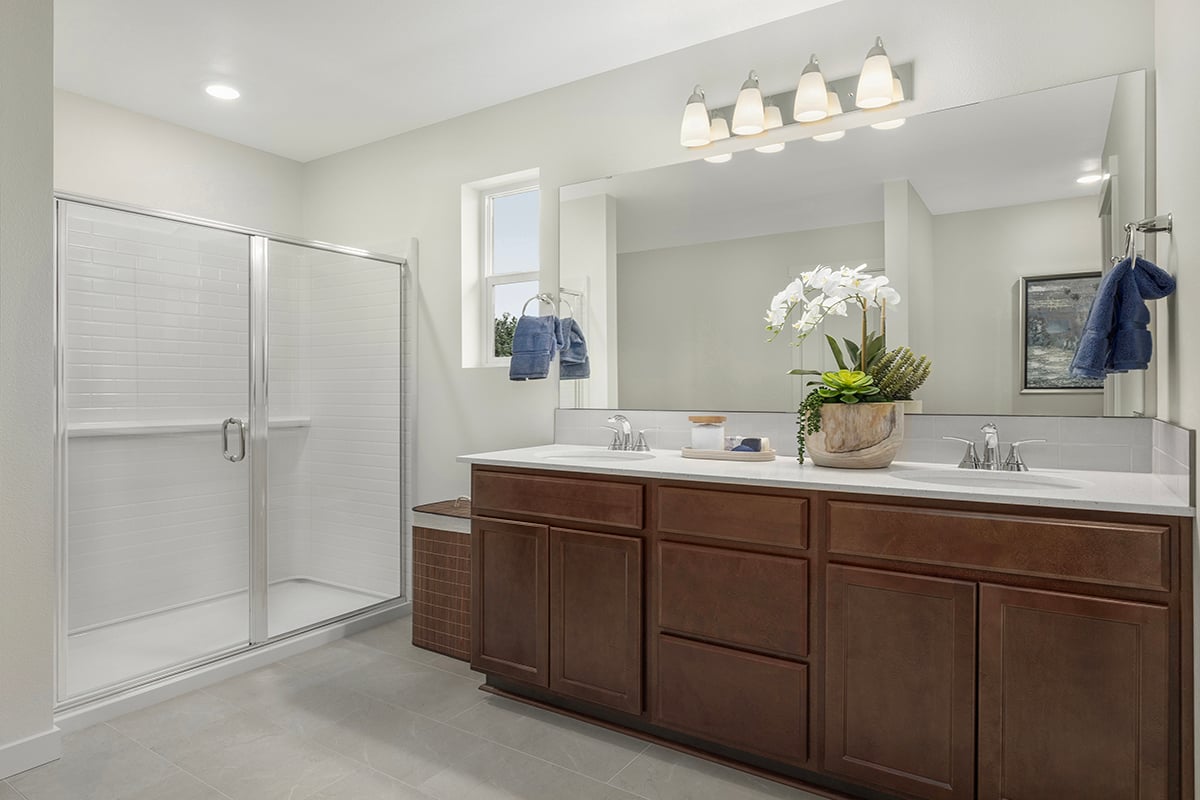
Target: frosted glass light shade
<point>717,131</point>
<point>721,159</point>
<point>694,131</point>
<point>748,112</point>
<point>832,136</point>
<point>772,119</point>
<point>897,89</point>
<point>891,124</point>
<point>875,80</point>
<point>811,103</point>
<point>833,105</point>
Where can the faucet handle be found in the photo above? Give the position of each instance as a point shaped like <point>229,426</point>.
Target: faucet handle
<point>1014,462</point>
<point>642,446</point>
<point>616,443</point>
<point>970,459</point>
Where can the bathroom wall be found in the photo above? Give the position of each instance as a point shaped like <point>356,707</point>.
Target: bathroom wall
<point>626,120</point>
<point>111,153</point>
<point>680,339</point>
<point>27,579</point>
<point>1177,63</point>
<point>979,258</point>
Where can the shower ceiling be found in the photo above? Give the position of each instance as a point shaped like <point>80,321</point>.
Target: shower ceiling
<point>319,77</point>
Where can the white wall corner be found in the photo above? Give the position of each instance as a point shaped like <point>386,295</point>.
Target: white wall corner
<point>30,752</point>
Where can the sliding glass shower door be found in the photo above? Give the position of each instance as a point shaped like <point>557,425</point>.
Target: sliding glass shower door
<point>229,441</point>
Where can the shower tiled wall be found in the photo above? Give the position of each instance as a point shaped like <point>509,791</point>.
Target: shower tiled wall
<point>157,333</point>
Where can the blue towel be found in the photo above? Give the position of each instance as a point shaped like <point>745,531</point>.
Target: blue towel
<point>573,361</point>
<point>534,343</point>
<point>1115,338</point>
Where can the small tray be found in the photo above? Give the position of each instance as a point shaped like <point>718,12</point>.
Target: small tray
<point>729,455</point>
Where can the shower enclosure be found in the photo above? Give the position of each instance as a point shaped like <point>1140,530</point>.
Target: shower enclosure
<point>230,440</point>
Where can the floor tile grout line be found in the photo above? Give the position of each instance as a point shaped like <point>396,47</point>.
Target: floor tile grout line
<point>617,774</point>
<point>15,790</point>
<point>161,757</point>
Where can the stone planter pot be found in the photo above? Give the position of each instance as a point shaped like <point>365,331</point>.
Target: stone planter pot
<point>859,436</point>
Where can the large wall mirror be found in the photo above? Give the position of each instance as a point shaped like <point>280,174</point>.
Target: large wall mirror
<point>972,212</point>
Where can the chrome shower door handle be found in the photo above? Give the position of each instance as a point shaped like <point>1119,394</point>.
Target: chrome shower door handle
<point>241,427</point>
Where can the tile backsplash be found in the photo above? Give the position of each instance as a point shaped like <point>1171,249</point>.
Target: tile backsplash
<point>1111,444</point>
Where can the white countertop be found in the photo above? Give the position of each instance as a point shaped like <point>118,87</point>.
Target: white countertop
<point>1134,492</point>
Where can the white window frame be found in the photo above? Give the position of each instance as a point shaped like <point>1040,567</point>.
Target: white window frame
<point>488,281</point>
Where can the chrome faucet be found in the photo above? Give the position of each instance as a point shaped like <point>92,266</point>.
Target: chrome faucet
<point>623,436</point>
<point>991,447</point>
<point>991,452</point>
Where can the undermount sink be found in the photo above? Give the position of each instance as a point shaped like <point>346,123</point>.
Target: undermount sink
<point>987,479</point>
<point>597,455</point>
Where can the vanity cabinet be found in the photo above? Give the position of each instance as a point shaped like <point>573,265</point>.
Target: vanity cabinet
<point>875,647</point>
<point>559,608</point>
<point>1073,696</point>
<point>900,681</point>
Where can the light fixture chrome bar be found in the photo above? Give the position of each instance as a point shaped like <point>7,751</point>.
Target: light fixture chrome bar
<point>845,89</point>
<point>1163,223</point>
<point>225,226</point>
<point>259,474</point>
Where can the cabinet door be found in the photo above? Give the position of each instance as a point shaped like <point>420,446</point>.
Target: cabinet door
<point>509,592</point>
<point>900,682</point>
<point>596,618</point>
<point>1072,697</point>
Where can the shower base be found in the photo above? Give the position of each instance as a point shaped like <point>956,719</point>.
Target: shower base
<point>111,654</point>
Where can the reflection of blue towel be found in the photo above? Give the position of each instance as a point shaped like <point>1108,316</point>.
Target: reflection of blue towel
<point>573,361</point>
<point>1115,338</point>
<point>534,343</point>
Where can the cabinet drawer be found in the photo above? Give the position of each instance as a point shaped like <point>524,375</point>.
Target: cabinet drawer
<point>1113,554</point>
<point>748,702</point>
<point>573,499</point>
<point>735,597</point>
<point>737,516</point>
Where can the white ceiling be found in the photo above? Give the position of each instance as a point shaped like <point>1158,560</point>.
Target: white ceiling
<point>318,77</point>
<point>1016,150</point>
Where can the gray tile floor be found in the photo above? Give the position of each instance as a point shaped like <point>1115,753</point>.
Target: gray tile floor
<point>368,718</point>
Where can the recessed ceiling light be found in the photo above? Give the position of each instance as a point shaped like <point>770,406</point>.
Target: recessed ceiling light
<point>1095,178</point>
<point>222,91</point>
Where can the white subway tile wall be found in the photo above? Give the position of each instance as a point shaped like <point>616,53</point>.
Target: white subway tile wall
<point>157,332</point>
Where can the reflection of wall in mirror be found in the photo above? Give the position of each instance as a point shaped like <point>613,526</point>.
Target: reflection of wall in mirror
<point>588,258</point>
<point>690,318</point>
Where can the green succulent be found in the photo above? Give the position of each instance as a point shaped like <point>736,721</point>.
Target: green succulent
<point>846,386</point>
<point>899,373</point>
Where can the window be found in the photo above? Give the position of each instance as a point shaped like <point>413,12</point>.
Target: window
<point>509,262</point>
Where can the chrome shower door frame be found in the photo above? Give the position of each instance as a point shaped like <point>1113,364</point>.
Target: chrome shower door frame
<point>256,450</point>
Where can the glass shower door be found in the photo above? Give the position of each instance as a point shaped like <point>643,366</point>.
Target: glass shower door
<point>155,322</point>
<point>335,513</point>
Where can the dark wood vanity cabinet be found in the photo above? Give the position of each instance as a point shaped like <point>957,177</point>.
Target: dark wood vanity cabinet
<point>900,681</point>
<point>875,647</point>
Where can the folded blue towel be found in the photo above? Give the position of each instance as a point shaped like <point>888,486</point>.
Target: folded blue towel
<point>535,341</point>
<point>1115,338</point>
<point>573,361</point>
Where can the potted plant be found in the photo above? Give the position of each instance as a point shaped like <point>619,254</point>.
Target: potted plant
<point>846,420</point>
<point>899,373</point>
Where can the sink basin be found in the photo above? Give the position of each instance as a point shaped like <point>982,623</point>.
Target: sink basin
<point>596,455</point>
<point>986,479</point>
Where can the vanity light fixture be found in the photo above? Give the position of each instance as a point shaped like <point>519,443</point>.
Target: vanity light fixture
<point>897,97</point>
<point>748,112</point>
<point>694,131</point>
<point>875,80</point>
<point>811,104</point>
<point>222,91</point>
<point>716,132</point>
<point>773,118</point>
<point>833,108</point>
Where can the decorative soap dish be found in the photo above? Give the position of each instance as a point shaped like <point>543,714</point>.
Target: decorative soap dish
<point>729,455</point>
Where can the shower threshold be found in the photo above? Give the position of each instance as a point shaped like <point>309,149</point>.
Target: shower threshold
<point>110,654</point>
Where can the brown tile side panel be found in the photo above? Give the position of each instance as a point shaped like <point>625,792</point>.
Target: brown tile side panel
<point>1107,553</point>
<point>500,494</point>
<point>442,592</point>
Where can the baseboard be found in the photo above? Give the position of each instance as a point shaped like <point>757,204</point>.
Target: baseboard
<point>30,752</point>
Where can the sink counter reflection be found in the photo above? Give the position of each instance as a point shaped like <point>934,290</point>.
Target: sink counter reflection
<point>1078,489</point>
